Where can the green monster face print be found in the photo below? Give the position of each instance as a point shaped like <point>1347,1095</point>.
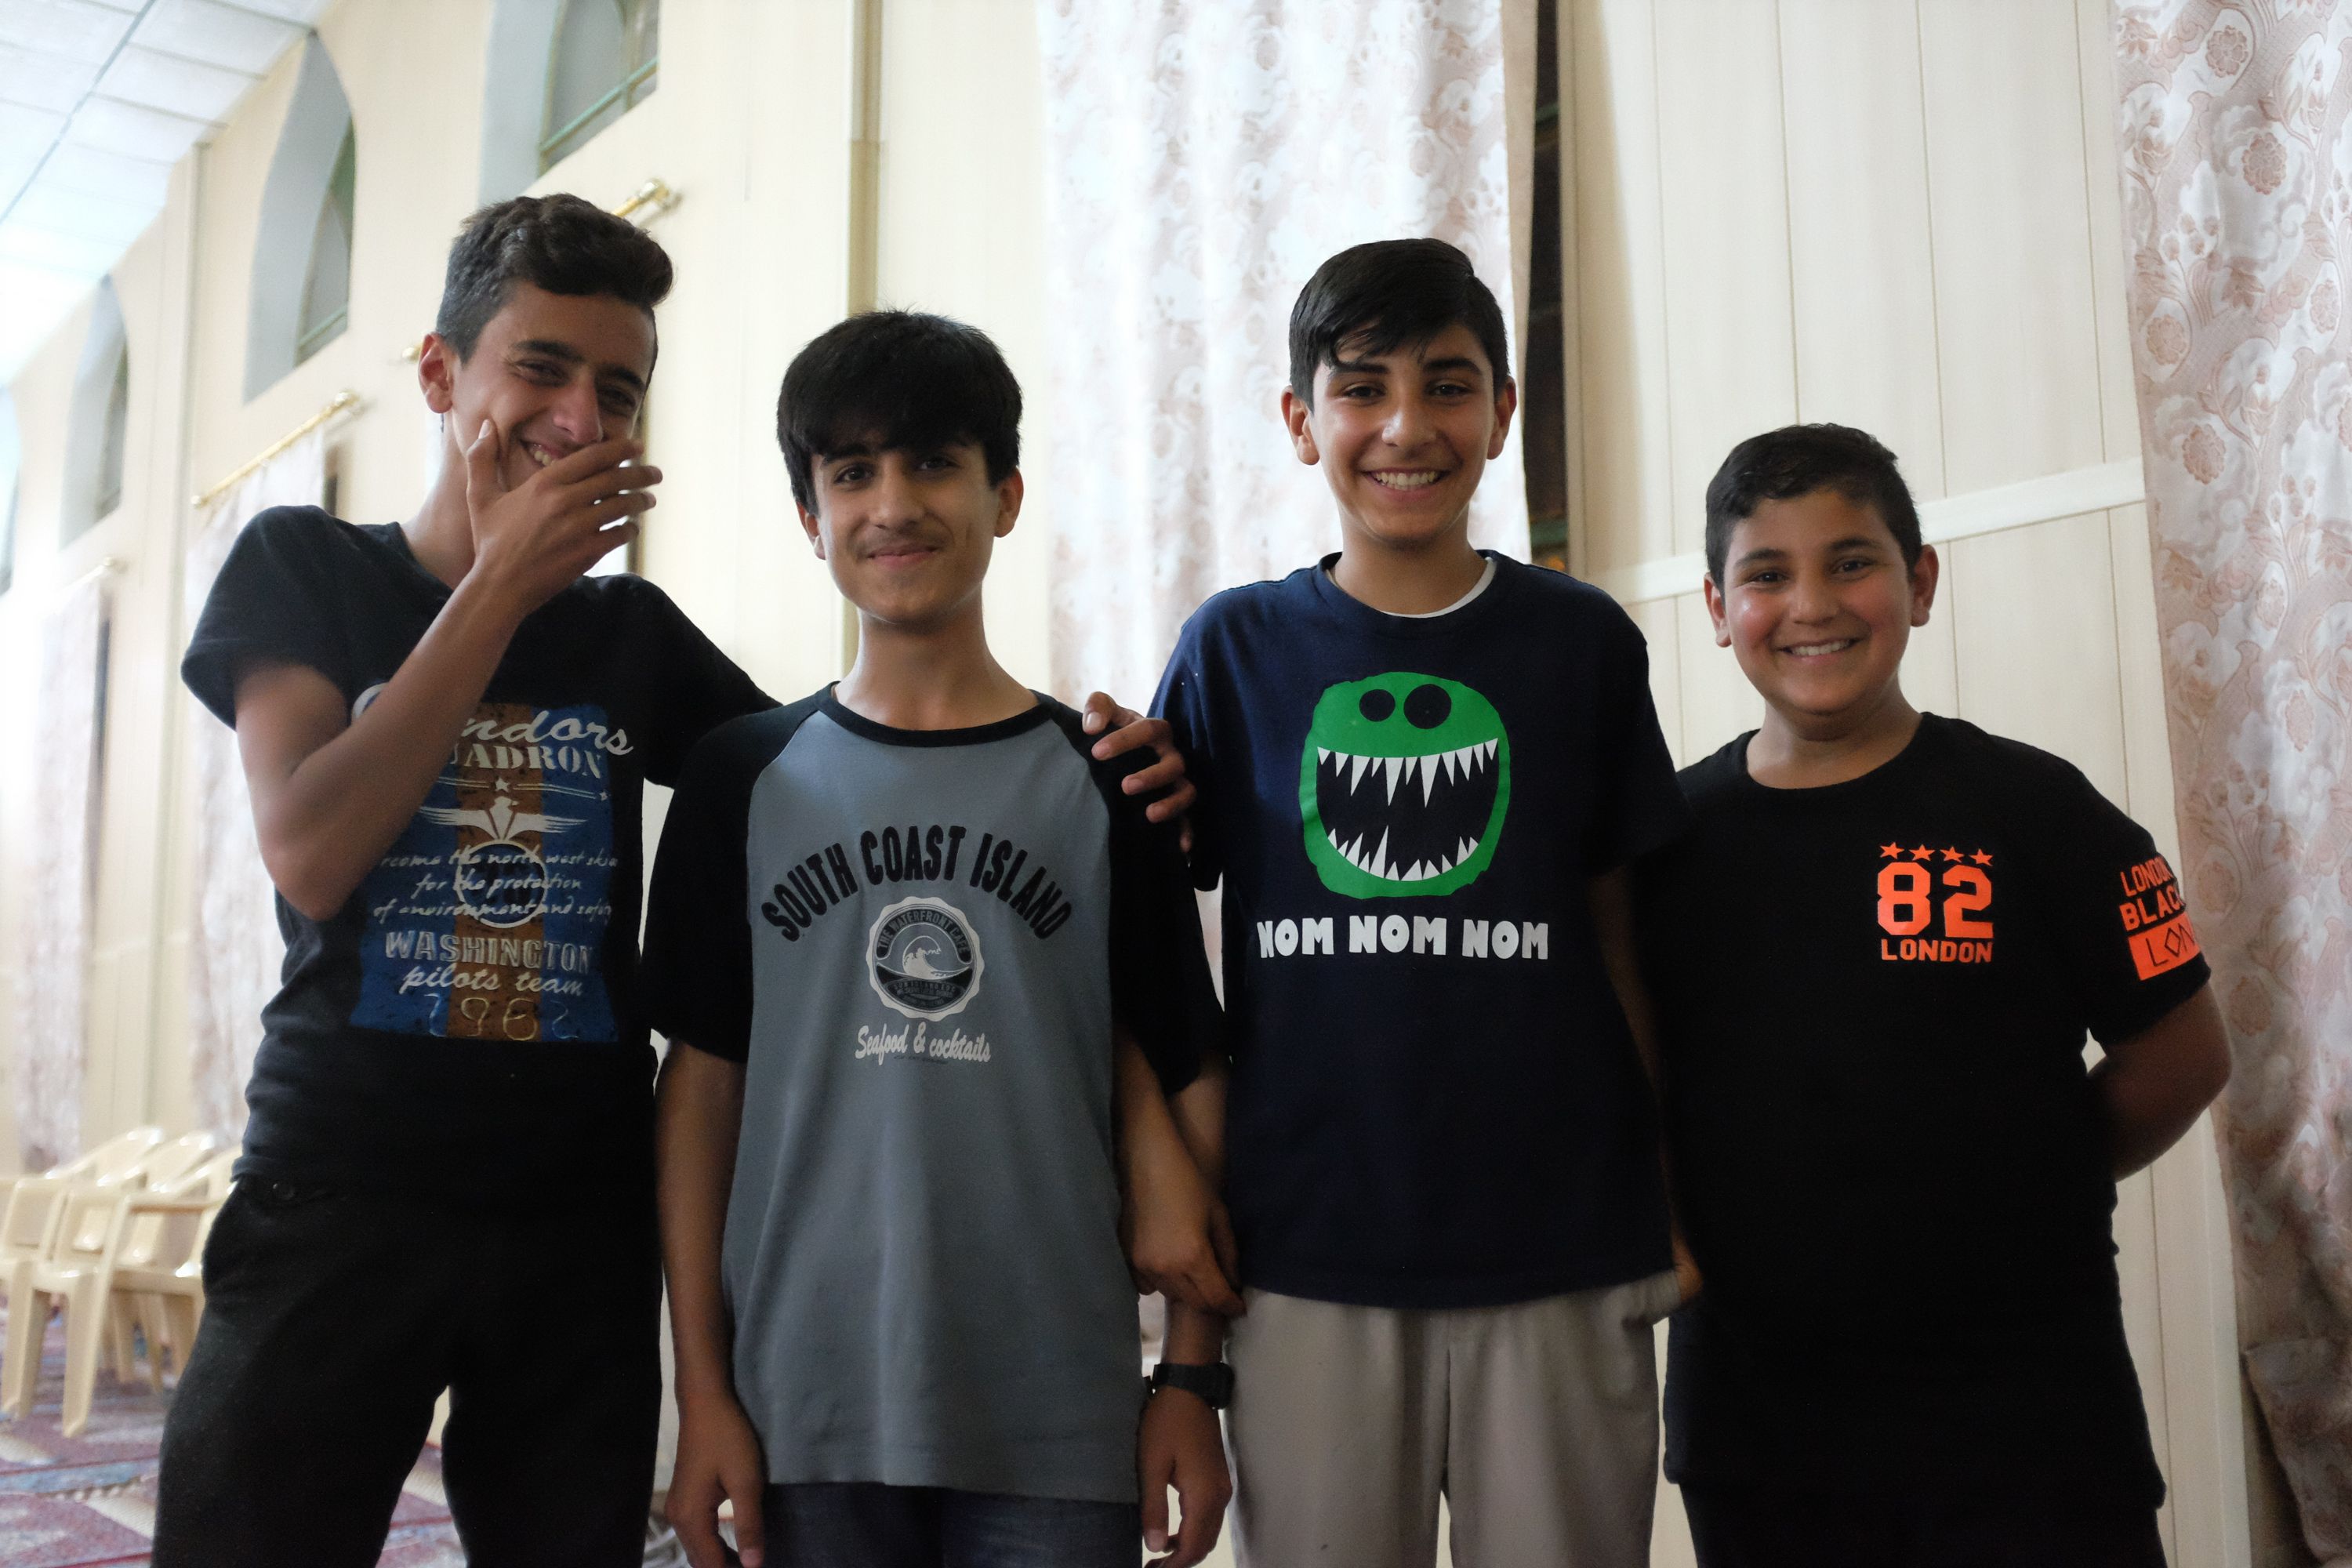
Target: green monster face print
<point>1402,782</point>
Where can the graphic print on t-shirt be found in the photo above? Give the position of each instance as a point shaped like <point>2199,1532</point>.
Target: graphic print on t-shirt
<point>1403,785</point>
<point>2155,917</point>
<point>1934,905</point>
<point>484,919</point>
<point>923,958</point>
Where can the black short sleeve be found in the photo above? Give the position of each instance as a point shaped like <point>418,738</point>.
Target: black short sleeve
<point>1637,805</point>
<point>697,969</point>
<point>1159,984</point>
<point>2116,907</point>
<point>278,600</point>
<point>701,687</point>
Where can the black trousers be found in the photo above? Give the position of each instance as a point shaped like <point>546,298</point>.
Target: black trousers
<point>332,1321</point>
<point>1943,1526</point>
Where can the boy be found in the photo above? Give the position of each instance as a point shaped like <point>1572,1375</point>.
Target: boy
<point>1421,770</point>
<point>895,925</point>
<point>1875,958</point>
<point>447,730</point>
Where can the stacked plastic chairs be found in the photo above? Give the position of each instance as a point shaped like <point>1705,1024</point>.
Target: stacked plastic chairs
<point>115,1242</point>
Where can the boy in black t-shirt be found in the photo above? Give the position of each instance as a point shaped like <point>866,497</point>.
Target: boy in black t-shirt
<point>1422,771</point>
<point>1875,958</point>
<point>447,1172</point>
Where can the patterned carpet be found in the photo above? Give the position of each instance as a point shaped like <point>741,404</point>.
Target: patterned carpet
<point>78,1502</point>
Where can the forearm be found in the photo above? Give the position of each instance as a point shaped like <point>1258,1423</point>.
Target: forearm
<point>698,1116</point>
<point>2152,1088</point>
<point>1194,1338</point>
<point>1198,1114</point>
<point>329,815</point>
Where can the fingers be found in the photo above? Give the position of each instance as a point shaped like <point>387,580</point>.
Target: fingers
<point>1097,712</point>
<point>1176,803</point>
<point>1229,1254</point>
<point>751,1530</point>
<point>693,1512</point>
<point>1204,1503</point>
<point>1155,1477</point>
<point>1209,1290</point>
<point>482,477</point>
<point>1133,731</point>
<point>595,459</point>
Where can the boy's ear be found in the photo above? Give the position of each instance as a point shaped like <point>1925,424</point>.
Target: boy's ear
<point>1715,610</point>
<point>1008,502</point>
<point>1925,572</point>
<point>436,373</point>
<point>1296,415</point>
<point>809,527</point>
<point>1507,402</point>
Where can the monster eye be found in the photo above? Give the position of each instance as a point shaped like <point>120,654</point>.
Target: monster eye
<point>1427,707</point>
<point>1376,705</point>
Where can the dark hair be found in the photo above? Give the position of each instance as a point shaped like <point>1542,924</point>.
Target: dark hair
<point>559,243</point>
<point>897,379</point>
<point>1377,298</point>
<point>1796,460</point>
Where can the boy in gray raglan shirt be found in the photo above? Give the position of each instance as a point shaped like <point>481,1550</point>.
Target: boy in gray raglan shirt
<point>895,929</point>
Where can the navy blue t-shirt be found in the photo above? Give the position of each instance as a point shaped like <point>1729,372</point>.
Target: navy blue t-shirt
<point>1436,1101</point>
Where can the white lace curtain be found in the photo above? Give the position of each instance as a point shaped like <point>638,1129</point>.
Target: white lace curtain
<point>53,989</point>
<point>2236,135</point>
<point>1202,159</point>
<point>236,953</point>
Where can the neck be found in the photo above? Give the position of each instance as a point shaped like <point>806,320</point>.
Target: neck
<point>941,677</point>
<point>1409,582</point>
<point>441,534</point>
<point>1802,752</point>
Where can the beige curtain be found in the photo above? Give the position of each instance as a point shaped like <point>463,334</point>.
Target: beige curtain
<point>235,954</point>
<point>52,992</point>
<point>1204,157</point>
<point>2237,182</point>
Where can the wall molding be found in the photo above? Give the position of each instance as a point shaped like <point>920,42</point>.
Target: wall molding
<point>1993,511</point>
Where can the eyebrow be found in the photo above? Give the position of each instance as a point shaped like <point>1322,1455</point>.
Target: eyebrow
<point>1773,553</point>
<point>553,349</point>
<point>1455,362</point>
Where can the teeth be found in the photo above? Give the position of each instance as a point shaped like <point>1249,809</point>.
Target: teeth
<point>1322,755</point>
<point>1810,649</point>
<point>1428,778</point>
<point>1357,778</point>
<point>1412,481</point>
<point>1395,765</point>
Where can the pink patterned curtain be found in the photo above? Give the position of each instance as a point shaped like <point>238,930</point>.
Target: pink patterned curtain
<point>2236,136</point>
<point>234,960</point>
<point>1204,157</point>
<point>53,989</point>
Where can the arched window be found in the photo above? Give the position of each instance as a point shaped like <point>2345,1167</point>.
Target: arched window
<point>98,432</point>
<point>603,64</point>
<point>11,455</point>
<point>326,291</point>
<point>302,255</point>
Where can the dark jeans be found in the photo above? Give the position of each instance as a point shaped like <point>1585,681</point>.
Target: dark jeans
<point>863,1524</point>
<point>332,1321</point>
<point>1766,1526</point>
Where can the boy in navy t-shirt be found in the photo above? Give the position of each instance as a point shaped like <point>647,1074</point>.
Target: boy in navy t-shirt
<point>1422,771</point>
<point>1875,956</point>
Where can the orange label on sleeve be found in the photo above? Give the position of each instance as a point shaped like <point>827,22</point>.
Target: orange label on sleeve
<point>2157,948</point>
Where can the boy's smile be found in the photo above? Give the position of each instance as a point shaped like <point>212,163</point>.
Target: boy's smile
<point>1818,608</point>
<point>1404,437</point>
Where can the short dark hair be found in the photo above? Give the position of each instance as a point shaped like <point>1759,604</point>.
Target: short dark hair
<point>897,379</point>
<point>559,243</point>
<point>1796,460</point>
<point>1376,297</point>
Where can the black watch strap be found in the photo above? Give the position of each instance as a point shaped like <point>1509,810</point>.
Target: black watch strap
<point>1212,1384</point>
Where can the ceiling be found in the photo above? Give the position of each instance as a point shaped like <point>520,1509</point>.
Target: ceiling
<point>98,100</point>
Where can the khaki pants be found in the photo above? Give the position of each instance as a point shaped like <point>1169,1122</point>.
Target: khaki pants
<point>1538,1421</point>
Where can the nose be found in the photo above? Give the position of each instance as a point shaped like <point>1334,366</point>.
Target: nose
<point>1815,598</point>
<point>1408,423</point>
<point>892,497</point>
<point>578,413</point>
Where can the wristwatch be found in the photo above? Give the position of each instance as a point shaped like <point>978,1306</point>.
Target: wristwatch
<point>1212,1384</point>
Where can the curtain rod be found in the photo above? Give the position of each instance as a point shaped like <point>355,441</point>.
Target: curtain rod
<point>107,566</point>
<point>340,403</point>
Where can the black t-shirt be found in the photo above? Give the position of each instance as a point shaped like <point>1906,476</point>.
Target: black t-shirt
<point>1436,1101</point>
<point>468,1022</point>
<point>1872,998</point>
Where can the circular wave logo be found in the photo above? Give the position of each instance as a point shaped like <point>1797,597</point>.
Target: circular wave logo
<point>501,884</point>
<point>923,959</point>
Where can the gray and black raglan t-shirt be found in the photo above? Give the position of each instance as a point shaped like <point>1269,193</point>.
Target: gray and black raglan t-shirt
<point>917,942</point>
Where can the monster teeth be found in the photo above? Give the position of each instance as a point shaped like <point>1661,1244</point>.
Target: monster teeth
<point>1461,761</point>
<point>1357,777</point>
<point>1395,765</point>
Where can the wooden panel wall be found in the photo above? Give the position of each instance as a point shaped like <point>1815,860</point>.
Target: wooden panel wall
<point>1901,215</point>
